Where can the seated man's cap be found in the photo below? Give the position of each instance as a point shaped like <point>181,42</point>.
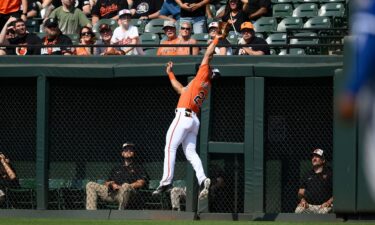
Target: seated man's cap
<point>168,23</point>
<point>213,24</point>
<point>247,25</point>
<point>124,12</point>
<point>319,152</point>
<point>104,27</point>
<point>128,145</point>
<point>51,22</point>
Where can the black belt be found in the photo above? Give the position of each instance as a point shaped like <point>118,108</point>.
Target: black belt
<point>187,112</point>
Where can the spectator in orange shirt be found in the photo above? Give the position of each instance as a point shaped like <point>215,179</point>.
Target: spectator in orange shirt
<point>185,38</point>
<point>169,28</point>
<point>86,37</point>
<point>11,8</point>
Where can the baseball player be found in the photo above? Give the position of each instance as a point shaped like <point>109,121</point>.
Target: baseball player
<point>362,82</point>
<point>185,126</point>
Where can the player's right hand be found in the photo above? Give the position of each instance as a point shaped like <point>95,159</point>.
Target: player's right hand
<point>169,67</point>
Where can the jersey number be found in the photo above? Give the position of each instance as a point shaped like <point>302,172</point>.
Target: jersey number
<point>200,98</point>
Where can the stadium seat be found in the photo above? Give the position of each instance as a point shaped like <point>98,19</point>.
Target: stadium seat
<point>265,25</point>
<point>326,1</point>
<point>150,38</point>
<point>155,26</point>
<point>41,35</point>
<point>201,38</point>
<point>318,22</point>
<point>293,51</point>
<point>73,196</point>
<point>276,38</point>
<point>280,1</point>
<point>289,22</point>
<point>282,10</point>
<point>212,9</point>
<point>74,38</point>
<point>308,1</point>
<point>112,23</point>
<point>306,10</point>
<point>332,10</point>
<point>140,24</point>
<point>55,186</point>
<point>259,35</point>
<point>232,38</point>
<point>24,197</point>
<point>304,41</point>
<point>221,9</point>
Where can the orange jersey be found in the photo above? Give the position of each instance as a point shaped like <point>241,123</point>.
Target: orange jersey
<point>197,90</point>
<point>168,50</point>
<point>9,6</point>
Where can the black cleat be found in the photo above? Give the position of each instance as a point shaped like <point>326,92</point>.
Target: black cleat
<point>162,189</point>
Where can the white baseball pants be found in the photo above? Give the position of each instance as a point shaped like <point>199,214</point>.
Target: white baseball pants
<point>184,129</point>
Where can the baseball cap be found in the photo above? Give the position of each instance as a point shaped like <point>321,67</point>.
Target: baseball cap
<point>247,25</point>
<point>104,27</point>
<point>124,12</point>
<point>319,152</point>
<point>128,145</point>
<point>51,22</point>
<point>168,23</point>
<point>213,24</point>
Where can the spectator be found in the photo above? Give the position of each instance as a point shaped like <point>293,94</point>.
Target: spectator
<point>86,37</point>
<point>10,33</point>
<point>126,34</point>
<point>259,45</point>
<point>169,11</point>
<point>107,9</point>
<point>234,15</point>
<point>194,11</point>
<point>258,8</point>
<point>49,5</point>
<point>169,28</point>
<point>213,30</point>
<point>185,38</point>
<point>22,38</point>
<point>8,176</point>
<point>70,19</point>
<point>105,39</point>
<point>122,182</point>
<point>316,188</point>
<point>11,8</point>
<point>55,37</point>
<point>144,8</point>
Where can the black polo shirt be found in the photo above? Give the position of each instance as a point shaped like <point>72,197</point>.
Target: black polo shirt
<point>255,5</point>
<point>318,186</point>
<point>255,45</point>
<point>127,174</point>
<point>199,12</point>
<point>146,7</point>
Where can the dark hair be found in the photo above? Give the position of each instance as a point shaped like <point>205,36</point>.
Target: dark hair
<point>19,20</point>
<point>227,9</point>
<point>89,31</point>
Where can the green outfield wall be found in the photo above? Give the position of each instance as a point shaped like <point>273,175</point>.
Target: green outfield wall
<point>66,118</point>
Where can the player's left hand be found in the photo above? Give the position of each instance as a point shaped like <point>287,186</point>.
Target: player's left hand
<point>169,67</point>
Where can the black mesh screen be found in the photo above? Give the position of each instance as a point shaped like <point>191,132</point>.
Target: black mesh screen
<point>89,120</point>
<point>18,135</point>
<point>228,110</point>
<point>298,118</point>
<point>227,189</point>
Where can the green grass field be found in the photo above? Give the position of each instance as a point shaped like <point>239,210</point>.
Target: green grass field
<point>7,221</point>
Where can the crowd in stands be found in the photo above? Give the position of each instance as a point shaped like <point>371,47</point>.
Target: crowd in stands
<point>68,22</point>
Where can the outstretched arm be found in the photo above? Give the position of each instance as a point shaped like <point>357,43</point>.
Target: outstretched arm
<point>177,86</point>
<point>210,51</point>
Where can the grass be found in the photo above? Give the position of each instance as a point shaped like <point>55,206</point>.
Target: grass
<point>14,221</point>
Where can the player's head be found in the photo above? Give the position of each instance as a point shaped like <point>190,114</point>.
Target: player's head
<point>215,73</point>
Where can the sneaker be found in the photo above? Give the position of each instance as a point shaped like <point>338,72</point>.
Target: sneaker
<point>205,186</point>
<point>162,189</point>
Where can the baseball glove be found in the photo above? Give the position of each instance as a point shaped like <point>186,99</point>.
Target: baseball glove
<point>224,29</point>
